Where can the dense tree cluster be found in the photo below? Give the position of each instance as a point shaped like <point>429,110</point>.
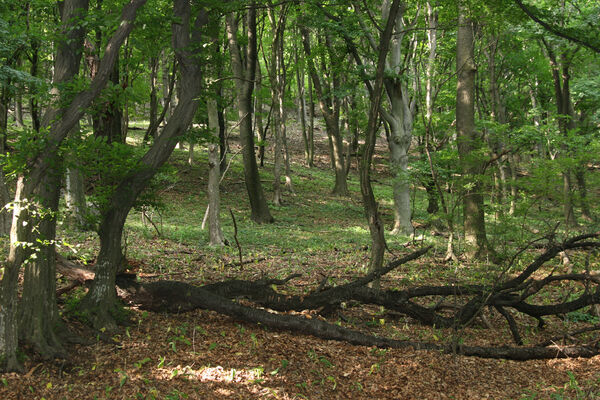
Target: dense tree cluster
<point>490,108</point>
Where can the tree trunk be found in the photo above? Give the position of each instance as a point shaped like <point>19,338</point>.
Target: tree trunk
<point>468,139</point>
<point>244,83</point>
<point>107,123</point>
<point>66,65</point>
<point>260,126</point>
<point>311,124</point>
<point>33,71</point>
<point>566,121</point>
<point>19,110</point>
<point>302,107</point>
<point>376,227</point>
<point>215,233</point>
<point>331,113</point>
<point>100,303</point>
<point>39,319</point>
<point>277,78</point>
<point>5,217</point>
<point>153,97</point>
<point>400,117</point>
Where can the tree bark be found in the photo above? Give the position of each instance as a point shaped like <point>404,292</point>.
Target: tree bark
<point>245,74</point>
<point>215,233</point>
<point>468,139</point>
<point>400,118</point>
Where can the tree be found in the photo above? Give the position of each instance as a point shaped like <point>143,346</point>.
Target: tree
<point>244,71</point>
<point>468,140</point>
<point>329,103</point>
<point>40,176</point>
<point>400,117</point>
<point>100,303</point>
<point>391,13</point>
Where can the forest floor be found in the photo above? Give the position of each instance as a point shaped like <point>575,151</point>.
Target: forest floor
<point>204,355</point>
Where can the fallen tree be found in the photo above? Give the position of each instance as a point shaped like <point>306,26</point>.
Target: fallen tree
<point>507,293</point>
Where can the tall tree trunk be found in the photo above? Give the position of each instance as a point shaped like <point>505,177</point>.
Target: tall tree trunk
<point>311,124</point>
<point>302,106</point>
<point>153,96</point>
<point>41,162</point>
<point>33,71</point>
<point>331,113</point>
<point>566,121</point>
<point>277,77</point>
<point>101,301</point>
<point>258,116</point>
<point>244,82</point>
<point>376,227</point>
<point>400,118</point>
<point>5,217</point>
<point>468,139</point>
<point>215,234</point>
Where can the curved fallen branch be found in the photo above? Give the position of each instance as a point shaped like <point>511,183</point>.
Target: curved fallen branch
<point>174,296</point>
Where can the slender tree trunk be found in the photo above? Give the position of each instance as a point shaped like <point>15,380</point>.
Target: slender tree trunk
<point>311,124</point>
<point>376,227</point>
<point>260,126</point>
<point>244,82</point>
<point>153,96</point>
<point>277,77</point>
<point>566,122</point>
<point>5,217</point>
<point>223,147</point>
<point>19,110</point>
<point>215,233</point>
<point>468,139</point>
<point>331,114</point>
<point>302,106</point>
<point>33,71</point>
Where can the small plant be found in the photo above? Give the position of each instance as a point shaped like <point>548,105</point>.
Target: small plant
<point>284,364</point>
<point>141,363</point>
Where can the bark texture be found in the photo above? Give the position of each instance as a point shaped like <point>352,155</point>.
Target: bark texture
<point>468,139</point>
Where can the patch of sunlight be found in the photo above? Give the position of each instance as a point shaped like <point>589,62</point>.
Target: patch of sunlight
<point>213,374</point>
<point>355,229</point>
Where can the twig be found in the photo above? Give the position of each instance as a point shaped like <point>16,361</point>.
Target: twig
<point>568,335</point>
<point>237,243</point>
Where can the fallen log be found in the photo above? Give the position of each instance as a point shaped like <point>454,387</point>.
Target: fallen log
<point>175,296</point>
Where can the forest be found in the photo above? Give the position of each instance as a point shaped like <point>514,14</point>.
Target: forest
<point>299,199</point>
